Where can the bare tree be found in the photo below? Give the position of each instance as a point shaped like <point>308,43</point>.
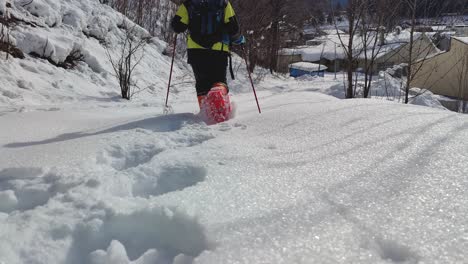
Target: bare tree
<point>377,16</point>
<point>153,15</point>
<point>129,56</point>
<point>277,8</point>
<point>417,54</point>
<point>413,8</point>
<point>462,80</point>
<point>268,24</point>
<point>354,15</point>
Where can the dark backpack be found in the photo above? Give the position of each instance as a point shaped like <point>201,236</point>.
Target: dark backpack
<point>206,25</point>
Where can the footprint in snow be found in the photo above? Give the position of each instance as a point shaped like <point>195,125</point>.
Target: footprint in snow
<point>391,251</point>
<point>23,189</point>
<point>153,235</point>
<point>121,158</point>
<point>241,126</point>
<point>395,252</point>
<point>169,178</point>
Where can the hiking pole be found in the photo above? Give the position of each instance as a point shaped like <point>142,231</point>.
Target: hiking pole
<point>170,74</point>
<point>250,77</point>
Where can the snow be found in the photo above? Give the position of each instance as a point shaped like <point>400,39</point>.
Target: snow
<point>307,66</point>
<point>8,201</point>
<point>126,185</point>
<point>463,39</point>
<point>425,98</point>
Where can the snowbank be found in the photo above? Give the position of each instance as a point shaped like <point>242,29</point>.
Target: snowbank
<point>425,97</point>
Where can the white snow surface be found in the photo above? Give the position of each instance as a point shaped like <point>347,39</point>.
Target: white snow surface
<point>313,179</point>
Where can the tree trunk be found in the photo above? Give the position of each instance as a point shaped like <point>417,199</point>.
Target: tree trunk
<point>350,90</point>
<point>411,47</point>
<point>274,46</point>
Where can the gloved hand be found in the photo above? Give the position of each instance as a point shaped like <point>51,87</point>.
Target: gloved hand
<point>239,41</point>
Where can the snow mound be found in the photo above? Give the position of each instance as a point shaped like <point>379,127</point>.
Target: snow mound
<point>425,97</point>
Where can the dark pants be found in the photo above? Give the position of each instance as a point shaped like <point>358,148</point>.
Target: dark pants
<point>209,67</point>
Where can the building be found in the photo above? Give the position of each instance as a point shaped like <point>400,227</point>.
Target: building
<point>391,49</point>
<point>445,73</point>
<point>395,51</point>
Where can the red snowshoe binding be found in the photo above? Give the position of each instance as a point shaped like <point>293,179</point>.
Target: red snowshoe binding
<point>216,107</point>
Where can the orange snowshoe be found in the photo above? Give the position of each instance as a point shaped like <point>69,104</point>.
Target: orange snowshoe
<point>216,105</point>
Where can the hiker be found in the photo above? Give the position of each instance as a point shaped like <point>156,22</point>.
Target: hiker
<point>213,27</point>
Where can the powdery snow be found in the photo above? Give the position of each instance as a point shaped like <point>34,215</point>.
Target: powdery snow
<point>312,179</point>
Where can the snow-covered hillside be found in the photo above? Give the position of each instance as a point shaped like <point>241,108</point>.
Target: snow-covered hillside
<point>49,32</point>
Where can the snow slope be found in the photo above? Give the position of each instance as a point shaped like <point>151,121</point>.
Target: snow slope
<point>313,179</point>
<point>50,31</point>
